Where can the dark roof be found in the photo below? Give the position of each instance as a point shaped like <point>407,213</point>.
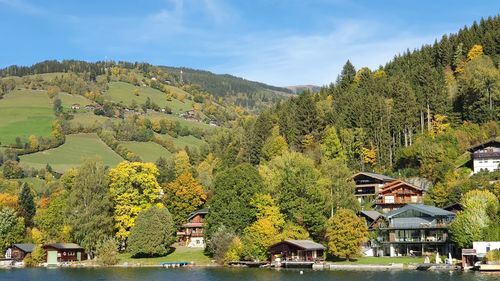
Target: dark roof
<point>27,248</point>
<point>455,206</point>
<point>64,246</point>
<point>426,209</point>
<point>374,175</point>
<point>371,214</point>
<point>303,244</point>
<point>484,144</point>
<point>203,211</point>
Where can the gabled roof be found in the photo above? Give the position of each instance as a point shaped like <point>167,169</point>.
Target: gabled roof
<point>374,175</point>
<point>396,184</point>
<point>203,211</point>
<point>426,209</point>
<point>371,214</point>
<point>485,144</point>
<point>27,248</point>
<point>64,246</point>
<point>303,244</point>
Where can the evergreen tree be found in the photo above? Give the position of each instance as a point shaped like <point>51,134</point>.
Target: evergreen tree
<point>27,204</point>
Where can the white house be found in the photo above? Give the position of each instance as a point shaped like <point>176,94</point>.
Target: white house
<point>486,156</point>
<point>483,247</point>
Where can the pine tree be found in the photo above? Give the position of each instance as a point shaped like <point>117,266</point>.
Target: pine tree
<point>27,204</point>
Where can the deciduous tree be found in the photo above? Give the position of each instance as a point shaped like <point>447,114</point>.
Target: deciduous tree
<point>345,233</point>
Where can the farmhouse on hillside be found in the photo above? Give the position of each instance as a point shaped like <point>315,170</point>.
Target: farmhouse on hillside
<point>486,156</point>
<point>75,106</point>
<point>64,252</point>
<point>413,230</point>
<point>191,234</point>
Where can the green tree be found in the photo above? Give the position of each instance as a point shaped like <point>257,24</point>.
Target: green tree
<point>182,164</point>
<point>12,170</point>
<point>219,243</point>
<point>27,204</point>
<point>52,220</point>
<point>295,183</point>
<point>230,202</point>
<point>345,233</point>
<point>331,146</point>
<point>133,188</point>
<point>90,206</point>
<point>338,179</point>
<point>152,234</point>
<point>275,145</point>
<point>11,228</point>
<point>480,212</point>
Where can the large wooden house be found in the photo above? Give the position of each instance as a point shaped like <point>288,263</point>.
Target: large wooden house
<point>413,230</point>
<point>191,233</point>
<point>396,194</point>
<point>486,156</point>
<point>369,184</point>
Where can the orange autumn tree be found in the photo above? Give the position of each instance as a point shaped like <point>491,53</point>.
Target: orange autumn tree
<point>183,196</point>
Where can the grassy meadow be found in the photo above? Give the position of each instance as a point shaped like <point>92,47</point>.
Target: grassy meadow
<point>122,92</point>
<point>68,99</point>
<point>24,113</point>
<point>72,153</point>
<point>148,151</point>
<point>195,255</point>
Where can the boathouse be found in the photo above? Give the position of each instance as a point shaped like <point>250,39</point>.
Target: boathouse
<point>297,251</point>
<point>64,252</point>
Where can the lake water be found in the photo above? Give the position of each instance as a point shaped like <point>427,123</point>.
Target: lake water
<point>222,274</point>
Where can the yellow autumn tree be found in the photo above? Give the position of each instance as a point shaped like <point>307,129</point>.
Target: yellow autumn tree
<point>474,52</point>
<point>439,125</point>
<point>205,170</point>
<point>33,141</point>
<point>133,188</point>
<point>181,161</point>
<point>9,200</point>
<point>183,196</point>
<point>369,155</point>
<point>275,145</point>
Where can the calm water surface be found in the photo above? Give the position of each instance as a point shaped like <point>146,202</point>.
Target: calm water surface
<point>216,274</point>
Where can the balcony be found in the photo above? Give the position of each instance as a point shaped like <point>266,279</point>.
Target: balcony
<point>482,155</point>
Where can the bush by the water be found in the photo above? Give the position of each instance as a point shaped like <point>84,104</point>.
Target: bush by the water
<point>107,252</point>
<point>35,258</point>
<point>493,256</point>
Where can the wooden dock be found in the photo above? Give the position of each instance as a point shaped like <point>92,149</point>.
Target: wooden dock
<point>175,264</point>
<point>489,267</point>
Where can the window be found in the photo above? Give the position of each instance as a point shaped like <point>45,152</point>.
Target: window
<point>414,199</point>
<point>389,199</point>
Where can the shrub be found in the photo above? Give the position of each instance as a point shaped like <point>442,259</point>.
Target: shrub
<point>493,256</point>
<point>107,252</point>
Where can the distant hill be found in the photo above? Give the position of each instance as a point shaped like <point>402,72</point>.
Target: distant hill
<point>237,90</point>
<point>300,88</point>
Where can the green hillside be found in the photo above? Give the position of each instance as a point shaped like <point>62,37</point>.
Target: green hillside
<point>71,153</point>
<point>24,113</point>
<point>148,151</point>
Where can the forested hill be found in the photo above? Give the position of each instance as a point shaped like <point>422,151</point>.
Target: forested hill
<point>242,92</point>
<point>415,117</point>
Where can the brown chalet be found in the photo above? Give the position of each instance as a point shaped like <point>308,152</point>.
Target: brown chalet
<point>191,233</point>
<point>18,251</point>
<point>296,253</point>
<point>398,193</point>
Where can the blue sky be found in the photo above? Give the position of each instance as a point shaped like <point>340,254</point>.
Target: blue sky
<point>280,42</point>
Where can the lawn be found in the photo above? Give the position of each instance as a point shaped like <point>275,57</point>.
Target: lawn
<point>194,255</point>
<point>182,121</point>
<point>87,119</point>
<point>122,92</point>
<point>380,260</point>
<point>69,99</point>
<point>148,151</point>
<point>24,113</point>
<point>72,153</point>
<point>181,142</point>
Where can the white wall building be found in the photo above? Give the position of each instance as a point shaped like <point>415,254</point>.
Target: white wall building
<point>482,247</point>
<point>486,156</point>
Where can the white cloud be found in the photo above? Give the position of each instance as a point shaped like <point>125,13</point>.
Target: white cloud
<point>22,6</point>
